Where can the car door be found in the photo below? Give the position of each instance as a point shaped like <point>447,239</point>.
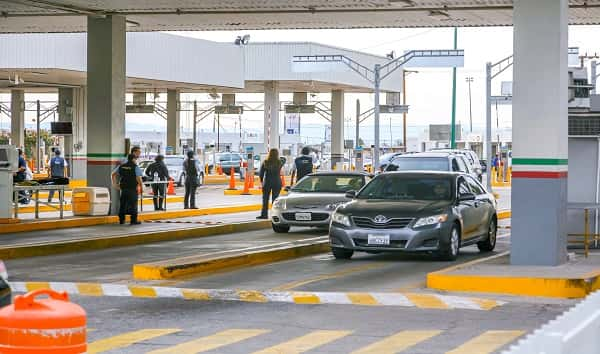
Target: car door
<point>483,205</point>
<point>467,209</point>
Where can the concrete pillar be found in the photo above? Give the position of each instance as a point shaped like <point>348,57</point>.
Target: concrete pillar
<point>173,122</point>
<point>17,118</point>
<point>540,165</point>
<point>105,100</point>
<point>337,127</point>
<point>271,121</point>
<point>72,108</point>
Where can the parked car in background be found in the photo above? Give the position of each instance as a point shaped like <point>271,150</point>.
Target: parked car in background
<point>5,291</point>
<point>228,160</point>
<point>431,161</point>
<point>470,157</point>
<point>175,165</point>
<point>430,212</point>
<point>483,164</point>
<point>312,200</point>
<point>385,159</point>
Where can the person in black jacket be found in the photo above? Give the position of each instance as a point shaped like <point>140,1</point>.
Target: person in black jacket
<point>190,166</point>
<point>158,172</point>
<point>129,179</point>
<point>270,178</point>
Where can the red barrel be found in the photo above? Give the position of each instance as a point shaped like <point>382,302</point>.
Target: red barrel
<point>34,326</point>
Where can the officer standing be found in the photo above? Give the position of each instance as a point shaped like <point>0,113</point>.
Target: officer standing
<point>270,178</point>
<point>190,166</point>
<point>303,165</point>
<point>159,172</point>
<point>130,177</point>
<point>56,169</point>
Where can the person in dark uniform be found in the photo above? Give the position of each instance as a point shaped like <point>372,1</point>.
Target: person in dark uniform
<point>303,165</point>
<point>20,176</point>
<point>57,169</point>
<point>190,166</point>
<point>270,178</point>
<point>130,177</point>
<point>158,172</point>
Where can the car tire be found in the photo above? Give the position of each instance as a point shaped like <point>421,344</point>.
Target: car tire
<point>341,253</point>
<point>489,243</point>
<point>280,229</point>
<point>450,250</point>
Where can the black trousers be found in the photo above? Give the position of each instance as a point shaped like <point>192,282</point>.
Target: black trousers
<point>159,195</point>
<point>189,201</point>
<point>128,204</point>
<point>274,190</point>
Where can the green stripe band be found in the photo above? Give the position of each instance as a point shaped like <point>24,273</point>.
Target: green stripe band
<point>530,161</point>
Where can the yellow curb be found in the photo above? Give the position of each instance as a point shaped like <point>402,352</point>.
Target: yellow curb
<point>504,214</point>
<point>570,288</point>
<point>39,225</point>
<point>173,268</point>
<point>49,248</point>
<point>254,191</point>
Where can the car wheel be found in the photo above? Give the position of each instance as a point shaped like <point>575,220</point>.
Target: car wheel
<point>489,243</point>
<point>341,253</point>
<point>449,252</point>
<point>280,229</point>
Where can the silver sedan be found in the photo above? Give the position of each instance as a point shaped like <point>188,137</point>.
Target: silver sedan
<point>314,198</point>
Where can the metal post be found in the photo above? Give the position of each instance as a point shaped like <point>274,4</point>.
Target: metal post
<point>488,122</point>
<point>469,80</point>
<point>594,76</point>
<point>38,141</point>
<point>376,113</point>
<point>404,113</point>
<point>219,132</point>
<point>357,121</point>
<point>195,144</point>
<point>453,127</point>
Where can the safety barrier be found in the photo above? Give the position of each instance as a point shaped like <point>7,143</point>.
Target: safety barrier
<point>575,331</point>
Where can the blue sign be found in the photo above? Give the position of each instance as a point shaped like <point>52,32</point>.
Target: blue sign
<point>249,149</point>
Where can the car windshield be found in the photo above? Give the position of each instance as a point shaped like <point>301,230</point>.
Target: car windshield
<point>397,187</point>
<point>174,162</point>
<point>419,164</point>
<point>329,184</point>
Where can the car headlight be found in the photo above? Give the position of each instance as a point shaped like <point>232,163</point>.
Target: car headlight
<point>341,219</point>
<point>280,204</point>
<point>333,206</point>
<point>431,220</point>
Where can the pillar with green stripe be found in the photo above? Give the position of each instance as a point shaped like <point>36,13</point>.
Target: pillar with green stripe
<point>540,134</point>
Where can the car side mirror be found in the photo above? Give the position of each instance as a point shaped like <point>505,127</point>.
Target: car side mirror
<point>351,194</point>
<point>466,197</point>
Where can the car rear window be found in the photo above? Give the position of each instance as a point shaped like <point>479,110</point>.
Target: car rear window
<point>329,184</point>
<point>419,164</point>
<point>398,187</point>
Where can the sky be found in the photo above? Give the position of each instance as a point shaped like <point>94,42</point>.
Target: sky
<point>428,91</point>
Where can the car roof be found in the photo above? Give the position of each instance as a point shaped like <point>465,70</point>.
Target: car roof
<point>425,173</point>
<point>342,173</point>
<point>427,154</point>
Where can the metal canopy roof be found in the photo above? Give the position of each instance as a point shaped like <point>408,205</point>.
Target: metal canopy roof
<point>166,15</point>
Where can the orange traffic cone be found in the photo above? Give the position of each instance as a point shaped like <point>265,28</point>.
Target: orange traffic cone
<point>220,170</point>
<point>250,178</point>
<point>232,180</point>
<point>171,187</point>
<point>282,180</point>
<point>246,190</point>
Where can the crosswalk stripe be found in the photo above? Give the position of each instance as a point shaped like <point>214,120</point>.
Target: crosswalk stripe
<point>127,339</point>
<point>426,301</point>
<point>487,342</point>
<point>211,342</point>
<point>397,342</point>
<point>305,343</point>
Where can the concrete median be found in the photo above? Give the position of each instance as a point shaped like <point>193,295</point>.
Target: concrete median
<point>227,260</point>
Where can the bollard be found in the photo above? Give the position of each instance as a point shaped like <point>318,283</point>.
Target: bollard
<point>171,187</point>
<point>48,326</point>
<point>232,180</point>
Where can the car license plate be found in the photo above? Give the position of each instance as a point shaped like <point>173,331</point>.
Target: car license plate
<point>303,217</point>
<point>379,240</point>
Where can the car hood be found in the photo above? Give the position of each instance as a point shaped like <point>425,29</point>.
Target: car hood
<point>313,200</point>
<point>394,208</point>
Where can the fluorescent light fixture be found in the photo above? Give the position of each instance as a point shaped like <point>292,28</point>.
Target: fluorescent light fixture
<point>132,24</point>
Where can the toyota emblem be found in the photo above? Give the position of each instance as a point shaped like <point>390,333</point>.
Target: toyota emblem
<point>380,219</point>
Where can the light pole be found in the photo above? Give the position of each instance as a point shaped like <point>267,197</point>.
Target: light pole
<point>377,74</point>
<point>469,80</point>
<point>404,75</point>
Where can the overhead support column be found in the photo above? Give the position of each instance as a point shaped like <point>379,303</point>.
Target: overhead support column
<point>65,114</point>
<point>540,153</point>
<point>271,120</point>
<point>72,108</point>
<point>173,121</point>
<point>337,127</point>
<point>105,100</point>
<point>17,118</point>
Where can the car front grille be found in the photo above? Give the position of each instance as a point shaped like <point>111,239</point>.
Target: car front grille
<point>393,243</point>
<point>313,216</point>
<point>394,223</point>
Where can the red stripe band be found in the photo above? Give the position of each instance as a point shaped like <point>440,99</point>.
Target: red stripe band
<point>534,174</point>
<point>102,163</point>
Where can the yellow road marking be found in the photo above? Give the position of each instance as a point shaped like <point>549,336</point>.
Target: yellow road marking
<point>426,301</point>
<point>487,342</point>
<point>90,289</point>
<point>305,343</point>
<point>252,296</point>
<point>397,342</point>
<point>306,298</point>
<point>214,341</point>
<point>127,339</point>
<point>295,284</point>
<point>485,304</point>
<point>142,291</point>
<point>192,294</point>
<point>31,286</point>
<point>362,299</point>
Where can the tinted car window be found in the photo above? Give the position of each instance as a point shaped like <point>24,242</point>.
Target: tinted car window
<point>396,187</point>
<point>329,184</point>
<point>475,187</point>
<point>455,166</point>
<point>463,187</point>
<point>462,166</point>
<point>419,164</point>
<point>236,157</point>
<point>225,157</point>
